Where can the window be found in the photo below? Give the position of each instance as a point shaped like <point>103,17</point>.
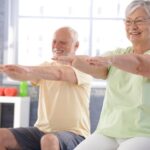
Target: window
<point>31,24</point>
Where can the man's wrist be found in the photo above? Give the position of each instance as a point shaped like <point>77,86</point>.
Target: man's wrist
<point>111,60</point>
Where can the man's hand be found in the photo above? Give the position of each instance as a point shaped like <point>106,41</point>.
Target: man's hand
<point>16,72</point>
<point>65,59</point>
<point>71,59</point>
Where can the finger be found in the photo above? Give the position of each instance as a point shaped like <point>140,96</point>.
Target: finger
<point>59,58</point>
<point>63,58</point>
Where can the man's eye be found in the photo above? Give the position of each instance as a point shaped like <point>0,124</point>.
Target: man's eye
<point>128,21</point>
<point>139,21</point>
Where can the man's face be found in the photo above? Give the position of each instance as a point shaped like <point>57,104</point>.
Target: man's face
<point>63,43</point>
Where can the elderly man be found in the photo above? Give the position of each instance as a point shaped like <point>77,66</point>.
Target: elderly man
<point>63,107</point>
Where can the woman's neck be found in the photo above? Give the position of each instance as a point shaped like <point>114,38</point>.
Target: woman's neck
<point>140,49</point>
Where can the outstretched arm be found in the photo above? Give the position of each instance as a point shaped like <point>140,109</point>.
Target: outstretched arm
<point>16,72</point>
<point>133,63</point>
<point>81,62</point>
<point>35,73</point>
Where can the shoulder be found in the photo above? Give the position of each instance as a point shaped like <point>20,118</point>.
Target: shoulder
<point>119,51</point>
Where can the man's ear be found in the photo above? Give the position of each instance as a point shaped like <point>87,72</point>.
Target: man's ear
<point>77,45</point>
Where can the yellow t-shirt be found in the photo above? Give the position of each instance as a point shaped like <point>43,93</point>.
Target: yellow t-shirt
<point>64,106</point>
<point>126,107</point>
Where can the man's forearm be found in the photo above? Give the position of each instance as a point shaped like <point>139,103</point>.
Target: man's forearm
<point>44,72</point>
<point>31,73</point>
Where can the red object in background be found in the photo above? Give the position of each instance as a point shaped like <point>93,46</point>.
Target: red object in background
<point>10,91</point>
<point>2,91</point>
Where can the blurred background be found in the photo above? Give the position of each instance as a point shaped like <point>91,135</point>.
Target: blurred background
<point>26,27</point>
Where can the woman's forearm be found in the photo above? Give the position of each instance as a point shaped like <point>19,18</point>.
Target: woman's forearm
<point>135,63</point>
<point>95,71</point>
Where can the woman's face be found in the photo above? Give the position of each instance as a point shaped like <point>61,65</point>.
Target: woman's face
<point>137,26</point>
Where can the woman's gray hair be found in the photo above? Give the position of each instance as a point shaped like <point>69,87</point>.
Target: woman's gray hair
<point>138,3</point>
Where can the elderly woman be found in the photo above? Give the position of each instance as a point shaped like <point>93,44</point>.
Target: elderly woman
<point>125,118</point>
